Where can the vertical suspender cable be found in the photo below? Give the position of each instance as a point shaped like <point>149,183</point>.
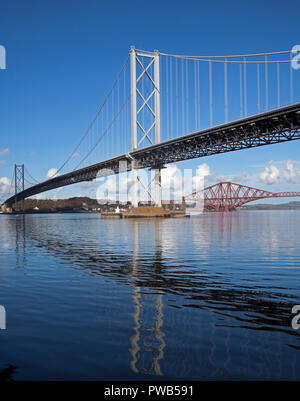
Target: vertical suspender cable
<point>92,141</point>
<point>176,83</point>
<point>198,90</point>
<point>167,96</point>
<point>101,149</point>
<point>123,129</point>
<point>182,94</point>
<point>267,82</point>
<point>258,89</point>
<point>95,138</point>
<point>278,85</point>
<point>127,128</point>
<point>171,99</point>
<point>226,90</point>
<point>112,127</point>
<point>245,87</point>
<point>210,95</point>
<point>195,94</point>
<point>105,137</point>
<point>291,81</point>
<point>98,136</point>
<point>241,92</point>
<point>118,121</point>
<point>187,95</point>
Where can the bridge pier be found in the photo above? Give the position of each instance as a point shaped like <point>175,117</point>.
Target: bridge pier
<point>19,185</point>
<point>135,186</point>
<point>158,187</point>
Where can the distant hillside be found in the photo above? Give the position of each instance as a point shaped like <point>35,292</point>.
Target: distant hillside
<point>86,204</point>
<point>76,204</point>
<point>267,206</point>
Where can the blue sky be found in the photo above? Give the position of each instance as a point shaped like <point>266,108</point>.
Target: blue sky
<point>63,56</point>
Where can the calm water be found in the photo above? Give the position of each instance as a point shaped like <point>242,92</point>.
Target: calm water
<point>208,297</point>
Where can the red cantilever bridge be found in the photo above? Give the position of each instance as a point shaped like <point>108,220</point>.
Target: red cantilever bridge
<point>229,196</point>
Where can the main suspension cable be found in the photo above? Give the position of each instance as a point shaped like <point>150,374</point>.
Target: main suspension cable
<point>104,133</point>
<point>222,59</point>
<point>93,121</point>
<point>31,176</point>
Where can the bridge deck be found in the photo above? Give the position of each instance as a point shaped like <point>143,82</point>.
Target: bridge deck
<point>278,125</point>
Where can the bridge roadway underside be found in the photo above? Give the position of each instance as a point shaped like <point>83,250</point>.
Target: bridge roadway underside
<point>279,125</point>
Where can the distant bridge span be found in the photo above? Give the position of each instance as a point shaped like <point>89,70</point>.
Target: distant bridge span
<point>276,126</point>
<point>228,195</point>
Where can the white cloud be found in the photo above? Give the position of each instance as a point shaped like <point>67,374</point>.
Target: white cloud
<point>291,173</point>
<point>180,183</point>
<point>2,162</point>
<point>242,177</point>
<point>113,187</point>
<point>40,196</point>
<point>4,151</point>
<point>174,182</point>
<point>171,177</point>
<point>177,182</point>
<point>57,191</point>
<point>284,172</point>
<point>270,174</point>
<point>5,185</point>
<point>51,173</point>
<point>74,155</point>
<point>203,170</point>
<point>203,175</point>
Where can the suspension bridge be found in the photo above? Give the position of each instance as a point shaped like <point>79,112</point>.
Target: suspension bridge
<point>164,108</point>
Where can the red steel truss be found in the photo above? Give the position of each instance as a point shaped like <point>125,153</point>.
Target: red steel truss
<point>229,196</point>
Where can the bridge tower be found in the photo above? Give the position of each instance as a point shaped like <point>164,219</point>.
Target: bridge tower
<point>141,101</point>
<point>19,183</point>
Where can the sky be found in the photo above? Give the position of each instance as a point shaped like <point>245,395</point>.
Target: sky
<point>63,56</point>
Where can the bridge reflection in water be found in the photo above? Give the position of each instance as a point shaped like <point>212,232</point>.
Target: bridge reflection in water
<point>147,344</point>
<point>198,309</point>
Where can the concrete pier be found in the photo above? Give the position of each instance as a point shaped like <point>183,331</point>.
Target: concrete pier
<point>145,212</point>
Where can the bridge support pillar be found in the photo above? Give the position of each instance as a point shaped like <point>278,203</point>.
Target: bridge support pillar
<point>145,128</point>
<point>158,187</point>
<point>135,186</point>
<point>134,145</point>
<point>19,183</point>
<point>158,191</point>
